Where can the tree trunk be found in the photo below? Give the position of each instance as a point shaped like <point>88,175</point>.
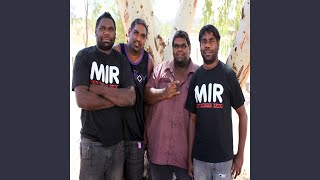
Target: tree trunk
<point>239,58</point>
<point>183,21</point>
<point>130,10</point>
<point>155,45</point>
<point>86,7</point>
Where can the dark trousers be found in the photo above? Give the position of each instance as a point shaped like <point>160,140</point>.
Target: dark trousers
<point>165,172</point>
<point>134,160</point>
<point>101,163</point>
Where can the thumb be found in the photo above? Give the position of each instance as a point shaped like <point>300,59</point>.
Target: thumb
<point>176,81</point>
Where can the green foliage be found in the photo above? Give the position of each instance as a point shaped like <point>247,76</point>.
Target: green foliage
<point>225,16</point>
<point>96,8</point>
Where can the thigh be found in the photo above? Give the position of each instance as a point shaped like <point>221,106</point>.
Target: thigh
<point>116,156</point>
<point>181,174</point>
<point>134,160</point>
<point>201,170</point>
<point>92,160</point>
<point>160,172</point>
<point>222,170</point>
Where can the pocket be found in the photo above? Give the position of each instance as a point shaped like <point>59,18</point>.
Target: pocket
<point>121,145</point>
<point>85,150</point>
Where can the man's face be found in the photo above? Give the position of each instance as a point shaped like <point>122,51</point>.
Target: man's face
<point>209,47</point>
<point>137,37</point>
<point>105,34</point>
<point>181,52</point>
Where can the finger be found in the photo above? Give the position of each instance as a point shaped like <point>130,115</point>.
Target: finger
<point>232,170</point>
<point>190,173</point>
<point>176,81</point>
<point>236,174</point>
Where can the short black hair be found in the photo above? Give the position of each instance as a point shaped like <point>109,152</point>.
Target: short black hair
<point>139,21</point>
<point>209,28</point>
<point>105,15</point>
<point>181,34</point>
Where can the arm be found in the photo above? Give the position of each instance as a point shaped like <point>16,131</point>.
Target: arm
<point>153,95</point>
<point>90,101</point>
<point>150,66</point>
<point>238,159</point>
<point>117,47</point>
<point>119,96</point>
<point>192,124</point>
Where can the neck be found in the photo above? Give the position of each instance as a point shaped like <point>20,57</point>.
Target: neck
<point>183,67</point>
<point>211,66</point>
<point>134,56</point>
<point>104,51</point>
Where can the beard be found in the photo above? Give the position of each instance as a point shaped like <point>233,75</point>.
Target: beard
<point>209,60</point>
<point>105,46</point>
<point>182,62</point>
<point>135,47</point>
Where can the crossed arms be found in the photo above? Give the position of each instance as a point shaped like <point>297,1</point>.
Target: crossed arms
<point>97,97</point>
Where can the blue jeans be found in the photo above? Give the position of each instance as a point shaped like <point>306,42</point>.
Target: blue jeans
<point>101,163</point>
<point>212,171</point>
<point>165,172</point>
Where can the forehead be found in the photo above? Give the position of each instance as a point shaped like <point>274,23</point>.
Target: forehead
<point>208,35</point>
<point>106,22</point>
<point>140,28</point>
<point>180,40</point>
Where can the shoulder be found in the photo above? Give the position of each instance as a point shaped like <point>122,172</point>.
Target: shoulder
<point>86,51</point>
<point>117,54</point>
<point>227,69</point>
<point>117,47</point>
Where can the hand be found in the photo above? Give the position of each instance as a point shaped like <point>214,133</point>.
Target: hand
<point>171,89</point>
<point>190,168</point>
<point>95,88</point>
<point>237,165</point>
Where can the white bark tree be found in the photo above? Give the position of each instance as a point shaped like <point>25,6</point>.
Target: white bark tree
<point>155,45</point>
<point>239,58</point>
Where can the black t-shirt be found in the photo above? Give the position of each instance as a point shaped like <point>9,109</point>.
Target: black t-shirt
<point>211,95</point>
<point>93,66</point>
<point>133,117</point>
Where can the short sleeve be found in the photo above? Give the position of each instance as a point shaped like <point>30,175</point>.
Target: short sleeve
<point>81,72</point>
<point>190,104</point>
<point>237,98</point>
<point>152,80</point>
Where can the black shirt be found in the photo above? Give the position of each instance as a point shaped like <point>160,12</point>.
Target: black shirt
<point>211,95</point>
<point>93,66</point>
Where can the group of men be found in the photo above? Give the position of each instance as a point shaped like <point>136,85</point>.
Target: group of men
<point>179,112</point>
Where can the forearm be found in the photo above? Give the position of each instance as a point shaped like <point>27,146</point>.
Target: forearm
<point>119,96</point>
<point>243,121</point>
<point>153,95</point>
<point>89,101</point>
<point>192,123</point>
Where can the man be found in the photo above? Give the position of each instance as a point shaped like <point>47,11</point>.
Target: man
<point>134,117</point>
<point>213,90</point>
<point>167,126</point>
<point>103,83</point>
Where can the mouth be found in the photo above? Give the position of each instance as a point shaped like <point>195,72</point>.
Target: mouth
<point>207,53</point>
<point>106,40</point>
<point>136,44</point>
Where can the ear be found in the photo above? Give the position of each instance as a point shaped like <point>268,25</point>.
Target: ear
<point>129,30</point>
